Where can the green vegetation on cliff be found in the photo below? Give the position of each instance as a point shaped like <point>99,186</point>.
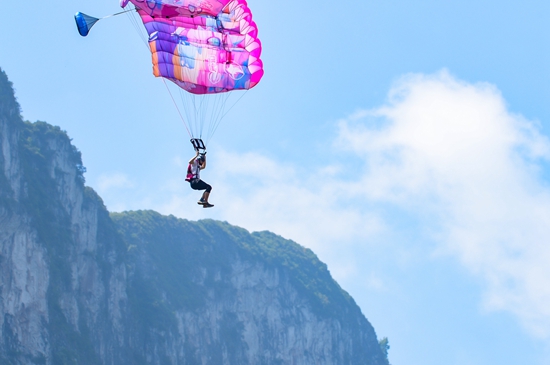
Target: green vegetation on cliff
<point>10,116</point>
<point>9,107</point>
<point>178,246</point>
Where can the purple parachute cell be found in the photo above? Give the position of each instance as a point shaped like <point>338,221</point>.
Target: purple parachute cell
<point>204,46</point>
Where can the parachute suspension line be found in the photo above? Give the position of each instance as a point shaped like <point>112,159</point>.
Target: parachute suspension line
<point>203,109</point>
<point>197,109</point>
<point>185,102</point>
<point>199,113</point>
<point>176,105</point>
<point>211,112</point>
<point>196,113</point>
<point>202,114</point>
<point>207,113</point>
<point>189,102</point>
<point>217,110</point>
<point>235,103</point>
<point>215,126</point>
<point>133,17</point>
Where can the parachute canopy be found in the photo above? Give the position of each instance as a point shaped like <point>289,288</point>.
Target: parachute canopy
<point>84,23</point>
<point>203,46</point>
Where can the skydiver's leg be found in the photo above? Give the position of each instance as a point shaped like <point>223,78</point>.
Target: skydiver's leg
<point>201,185</point>
<point>207,191</point>
<point>198,185</point>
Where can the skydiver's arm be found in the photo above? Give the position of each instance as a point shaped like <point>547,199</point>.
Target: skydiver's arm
<point>203,166</point>
<point>191,161</point>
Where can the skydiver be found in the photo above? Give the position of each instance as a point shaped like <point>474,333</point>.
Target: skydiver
<point>196,164</point>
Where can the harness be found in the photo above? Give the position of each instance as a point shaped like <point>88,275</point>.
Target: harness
<point>191,177</point>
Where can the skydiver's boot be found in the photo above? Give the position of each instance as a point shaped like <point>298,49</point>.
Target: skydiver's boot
<point>204,199</point>
<point>207,205</point>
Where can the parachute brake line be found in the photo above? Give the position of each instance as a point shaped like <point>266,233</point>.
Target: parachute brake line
<point>176,105</point>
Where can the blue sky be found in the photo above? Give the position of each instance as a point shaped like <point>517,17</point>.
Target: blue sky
<point>405,142</point>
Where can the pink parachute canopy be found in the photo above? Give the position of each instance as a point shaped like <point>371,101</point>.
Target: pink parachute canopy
<point>204,46</point>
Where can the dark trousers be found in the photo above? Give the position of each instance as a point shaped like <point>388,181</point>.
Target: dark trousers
<point>198,184</point>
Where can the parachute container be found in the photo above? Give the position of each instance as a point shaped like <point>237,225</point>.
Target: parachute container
<point>84,23</point>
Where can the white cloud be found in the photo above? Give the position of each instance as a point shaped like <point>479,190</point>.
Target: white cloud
<point>113,189</point>
<point>452,153</point>
<point>106,182</point>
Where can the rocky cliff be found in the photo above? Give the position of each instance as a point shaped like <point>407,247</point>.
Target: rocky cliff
<point>81,286</point>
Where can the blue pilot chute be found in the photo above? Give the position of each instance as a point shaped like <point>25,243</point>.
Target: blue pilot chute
<point>84,23</point>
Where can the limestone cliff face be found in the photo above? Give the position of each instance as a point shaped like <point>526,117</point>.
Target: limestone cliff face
<point>62,280</point>
<point>224,296</point>
<point>24,274</point>
<point>80,286</point>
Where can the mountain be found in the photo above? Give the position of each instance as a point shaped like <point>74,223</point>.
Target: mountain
<point>79,285</point>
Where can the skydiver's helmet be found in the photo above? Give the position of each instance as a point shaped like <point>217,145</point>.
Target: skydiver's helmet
<point>201,159</point>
